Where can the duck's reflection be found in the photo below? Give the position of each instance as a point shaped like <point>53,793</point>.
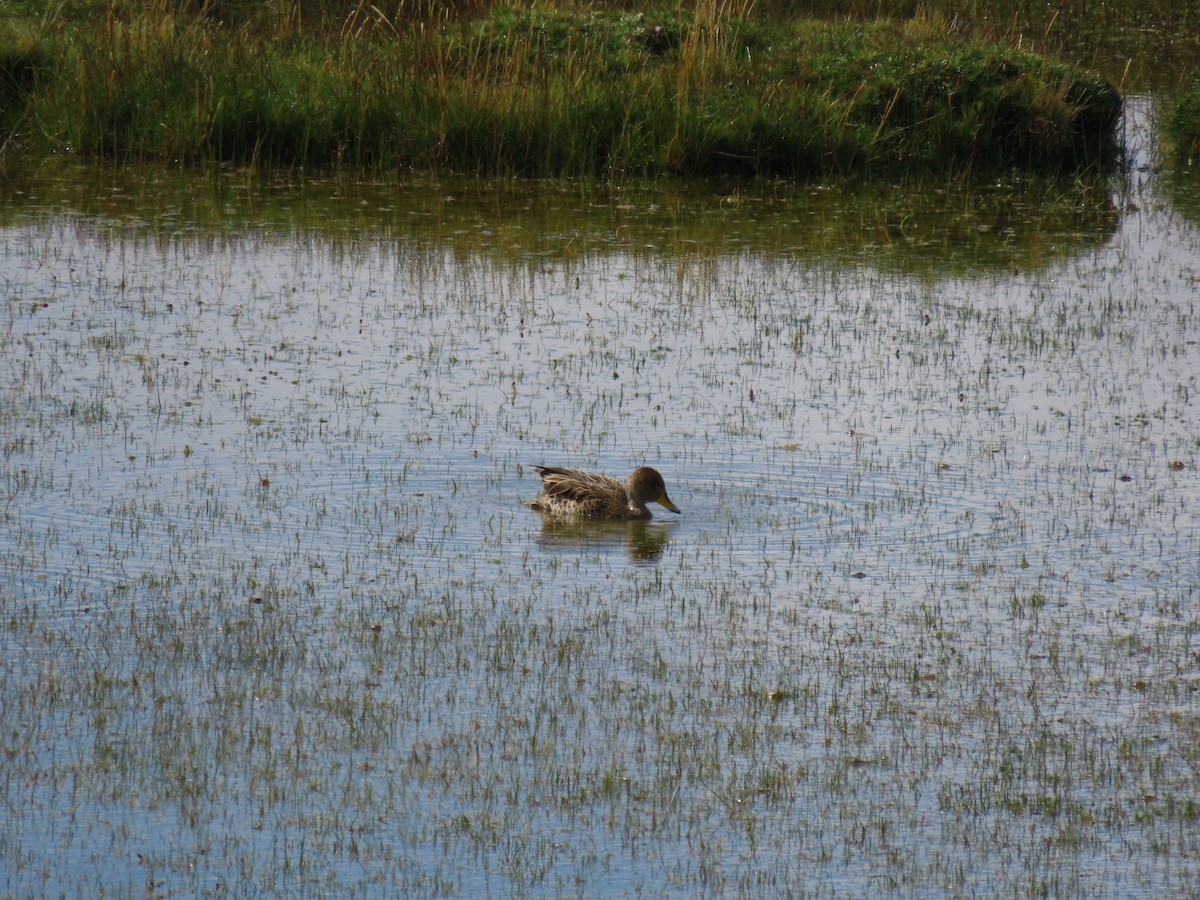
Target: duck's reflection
<point>643,540</point>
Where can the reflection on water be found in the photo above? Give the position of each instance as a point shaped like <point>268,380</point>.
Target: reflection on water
<point>641,540</point>
<point>275,616</point>
<point>935,227</point>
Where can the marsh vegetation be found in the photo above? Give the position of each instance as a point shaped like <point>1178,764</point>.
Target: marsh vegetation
<point>276,620</point>
<point>544,91</point>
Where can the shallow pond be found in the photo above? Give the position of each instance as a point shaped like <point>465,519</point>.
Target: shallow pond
<point>275,618</point>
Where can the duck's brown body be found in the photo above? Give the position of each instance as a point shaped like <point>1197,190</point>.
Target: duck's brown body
<point>586,495</point>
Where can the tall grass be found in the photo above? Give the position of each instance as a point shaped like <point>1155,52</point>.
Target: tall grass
<point>23,55</point>
<point>1183,127</point>
<point>547,92</point>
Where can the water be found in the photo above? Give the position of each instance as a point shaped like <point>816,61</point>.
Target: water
<point>276,620</point>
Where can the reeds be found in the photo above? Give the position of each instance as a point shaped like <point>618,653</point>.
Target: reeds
<point>537,92</point>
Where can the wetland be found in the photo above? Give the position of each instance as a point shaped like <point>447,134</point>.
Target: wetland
<point>276,619</point>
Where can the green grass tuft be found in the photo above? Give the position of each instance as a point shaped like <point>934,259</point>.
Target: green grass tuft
<point>1183,126</point>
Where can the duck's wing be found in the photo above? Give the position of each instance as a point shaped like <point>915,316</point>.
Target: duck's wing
<point>579,486</point>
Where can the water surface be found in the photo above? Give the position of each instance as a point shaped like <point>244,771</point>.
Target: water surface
<point>275,617</point>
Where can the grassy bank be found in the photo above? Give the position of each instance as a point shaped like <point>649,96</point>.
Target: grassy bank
<point>502,91</point>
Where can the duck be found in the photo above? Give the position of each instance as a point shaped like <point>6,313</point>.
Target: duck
<point>573,493</point>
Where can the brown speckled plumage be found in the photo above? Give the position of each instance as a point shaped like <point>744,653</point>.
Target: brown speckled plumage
<point>586,495</point>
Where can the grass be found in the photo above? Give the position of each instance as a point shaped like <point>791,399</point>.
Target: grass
<point>1182,127</point>
<point>23,54</point>
<point>545,92</point>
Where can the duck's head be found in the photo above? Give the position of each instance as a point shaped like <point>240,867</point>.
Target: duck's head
<point>646,485</point>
